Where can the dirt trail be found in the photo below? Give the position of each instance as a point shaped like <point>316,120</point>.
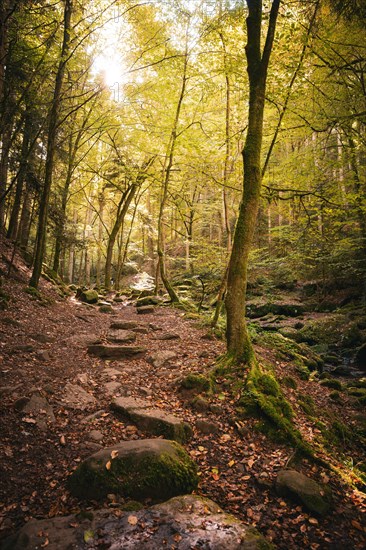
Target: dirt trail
<point>44,347</point>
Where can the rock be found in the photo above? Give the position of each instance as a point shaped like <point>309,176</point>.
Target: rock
<point>148,301</point>
<point>194,383</point>
<point>42,338</point>
<point>43,355</point>
<point>23,348</point>
<point>206,427</point>
<point>106,309</point>
<point>287,309</point>
<point>93,416</point>
<point>75,397</point>
<point>124,325</point>
<point>117,352</point>
<point>295,485</point>
<point>144,310</point>
<point>112,387</point>
<point>151,468</point>
<point>88,296</point>
<point>199,404</point>
<point>161,358</point>
<point>40,409</point>
<point>154,327</point>
<point>95,435</point>
<point>121,336</point>
<point>111,372</point>
<point>141,330</point>
<point>168,336</point>
<point>360,358</point>
<point>152,420</point>
<point>183,522</point>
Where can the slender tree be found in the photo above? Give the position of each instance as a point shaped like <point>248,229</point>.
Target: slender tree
<point>239,346</point>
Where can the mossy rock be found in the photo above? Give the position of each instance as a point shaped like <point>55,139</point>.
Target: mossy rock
<point>148,301</point>
<point>155,469</point>
<point>295,485</point>
<point>335,396</point>
<point>88,296</point>
<point>307,404</point>
<point>331,383</point>
<point>106,309</point>
<point>289,382</point>
<point>302,371</point>
<point>196,383</point>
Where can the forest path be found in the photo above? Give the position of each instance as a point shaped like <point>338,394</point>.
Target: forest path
<point>44,352</point>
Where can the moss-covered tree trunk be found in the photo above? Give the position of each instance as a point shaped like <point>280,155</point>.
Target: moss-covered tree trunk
<point>239,346</point>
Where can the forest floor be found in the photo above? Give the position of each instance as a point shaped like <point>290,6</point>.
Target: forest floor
<point>43,348</point>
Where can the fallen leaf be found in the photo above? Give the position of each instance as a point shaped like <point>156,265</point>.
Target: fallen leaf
<point>200,448</point>
<point>313,521</point>
<point>62,440</point>
<point>88,535</point>
<point>114,454</point>
<point>29,420</point>
<point>231,463</point>
<point>108,465</point>
<point>177,537</point>
<point>225,437</point>
<point>250,462</point>
<point>356,525</point>
<point>132,520</point>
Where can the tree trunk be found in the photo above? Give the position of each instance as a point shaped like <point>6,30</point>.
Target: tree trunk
<point>51,145</point>
<point>169,159</point>
<point>239,347</point>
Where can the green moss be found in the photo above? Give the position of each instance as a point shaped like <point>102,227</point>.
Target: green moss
<point>289,382</point>
<point>302,371</point>
<point>331,383</point>
<point>35,294</point>
<point>196,382</point>
<point>263,398</point>
<point>335,396</point>
<point>357,392</point>
<point>307,404</point>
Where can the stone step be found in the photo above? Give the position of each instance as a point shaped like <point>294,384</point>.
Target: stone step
<point>152,420</point>
<point>115,351</point>
<point>121,336</point>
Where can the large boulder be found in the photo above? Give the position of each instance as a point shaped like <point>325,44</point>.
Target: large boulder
<point>182,523</point>
<point>295,485</point>
<point>152,421</point>
<point>157,469</point>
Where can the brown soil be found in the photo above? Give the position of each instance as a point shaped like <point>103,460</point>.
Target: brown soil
<point>237,470</point>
